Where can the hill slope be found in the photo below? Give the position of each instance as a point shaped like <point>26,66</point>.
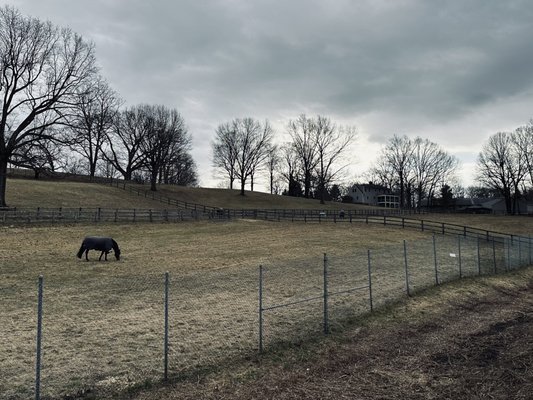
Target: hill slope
<point>24,193</point>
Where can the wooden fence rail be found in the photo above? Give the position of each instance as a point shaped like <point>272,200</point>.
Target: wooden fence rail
<point>73,215</point>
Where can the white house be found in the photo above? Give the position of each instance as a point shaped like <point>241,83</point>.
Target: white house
<point>374,195</point>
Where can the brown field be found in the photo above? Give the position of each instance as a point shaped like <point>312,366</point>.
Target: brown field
<point>42,193</point>
<point>103,321</point>
<point>466,340</point>
<point>97,312</point>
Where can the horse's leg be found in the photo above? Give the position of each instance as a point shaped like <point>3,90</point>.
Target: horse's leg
<point>87,254</point>
<point>101,254</point>
<point>106,255</point>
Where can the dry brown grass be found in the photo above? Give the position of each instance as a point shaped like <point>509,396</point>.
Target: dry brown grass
<point>96,312</point>
<point>513,224</point>
<point>103,321</point>
<point>467,340</point>
<point>47,194</point>
<point>41,193</point>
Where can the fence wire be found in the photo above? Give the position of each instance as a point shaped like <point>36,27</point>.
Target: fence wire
<point>105,332</point>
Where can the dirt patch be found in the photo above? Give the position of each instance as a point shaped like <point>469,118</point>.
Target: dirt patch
<point>434,346</point>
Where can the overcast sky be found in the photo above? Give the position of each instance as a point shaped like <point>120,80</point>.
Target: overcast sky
<point>454,72</point>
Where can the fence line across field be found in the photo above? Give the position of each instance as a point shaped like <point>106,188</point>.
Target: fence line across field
<point>153,328</point>
<point>69,214</point>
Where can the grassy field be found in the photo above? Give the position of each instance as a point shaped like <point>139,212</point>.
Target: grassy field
<point>103,320</point>
<point>470,339</point>
<point>97,312</point>
<point>41,193</point>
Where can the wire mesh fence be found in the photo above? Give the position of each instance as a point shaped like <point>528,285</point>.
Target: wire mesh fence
<point>104,332</point>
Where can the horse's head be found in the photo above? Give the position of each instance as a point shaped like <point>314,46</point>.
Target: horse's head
<point>116,250</point>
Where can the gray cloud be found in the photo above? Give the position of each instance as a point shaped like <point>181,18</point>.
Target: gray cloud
<point>406,66</point>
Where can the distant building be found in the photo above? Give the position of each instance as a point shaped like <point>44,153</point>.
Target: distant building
<point>374,195</point>
<point>494,205</point>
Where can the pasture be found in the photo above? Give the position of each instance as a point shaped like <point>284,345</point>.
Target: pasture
<point>103,321</point>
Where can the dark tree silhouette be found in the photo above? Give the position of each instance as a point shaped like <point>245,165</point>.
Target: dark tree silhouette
<point>41,69</point>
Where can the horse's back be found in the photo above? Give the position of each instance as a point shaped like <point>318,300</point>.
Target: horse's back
<point>98,243</point>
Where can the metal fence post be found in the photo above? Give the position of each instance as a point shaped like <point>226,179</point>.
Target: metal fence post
<point>435,260</point>
<point>167,280</point>
<point>39,340</point>
<point>370,281</point>
<point>459,253</point>
<point>508,263</point>
<point>326,321</point>
<point>494,255</point>
<point>529,247</point>
<point>519,251</point>
<point>406,268</point>
<point>478,259</point>
<point>260,309</point>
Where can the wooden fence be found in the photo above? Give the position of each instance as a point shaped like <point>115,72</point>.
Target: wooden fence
<point>74,215</point>
<point>186,211</point>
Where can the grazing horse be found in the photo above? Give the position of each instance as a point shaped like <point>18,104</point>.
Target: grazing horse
<point>103,244</point>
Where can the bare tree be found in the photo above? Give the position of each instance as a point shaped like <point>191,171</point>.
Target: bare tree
<point>304,145</point>
<point>41,68</point>
<point>38,156</point>
<point>382,173</point>
<point>395,166</point>
<point>431,166</point>
<point>124,142</point>
<point>272,162</point>
<point>523,140</point>
<point>179,168</point>
<point>182,171</point>
<point>224,150</point>
<point>413,167</point>
<point>290,169</point>
<point>94,115</point>
<point>245,143</point>
<point>501,167</point>
<point>166,127</point>
<point>331,142</point>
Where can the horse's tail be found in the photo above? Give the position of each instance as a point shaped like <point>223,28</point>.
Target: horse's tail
<point>80,252</point>
<point>116,249</point>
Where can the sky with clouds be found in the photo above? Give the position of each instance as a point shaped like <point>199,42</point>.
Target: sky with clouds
<point>454,72</point>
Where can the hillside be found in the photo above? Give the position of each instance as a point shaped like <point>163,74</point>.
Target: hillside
<point>24,193</point>
<point>29,193</point>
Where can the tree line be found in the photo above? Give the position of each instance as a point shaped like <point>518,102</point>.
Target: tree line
<point>58,113</point>
<point>55,103</point>
<point>505,165</point>
<point>309,163</point>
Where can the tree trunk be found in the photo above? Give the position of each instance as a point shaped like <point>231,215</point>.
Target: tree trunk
<point>92,168</point>
<point>243,182</point>
<point>127,175</point>
<point>153,180</point>
<point>402,191</point>
<point>322,189</point>
<point>307,184</point>
<point>3,181</point>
